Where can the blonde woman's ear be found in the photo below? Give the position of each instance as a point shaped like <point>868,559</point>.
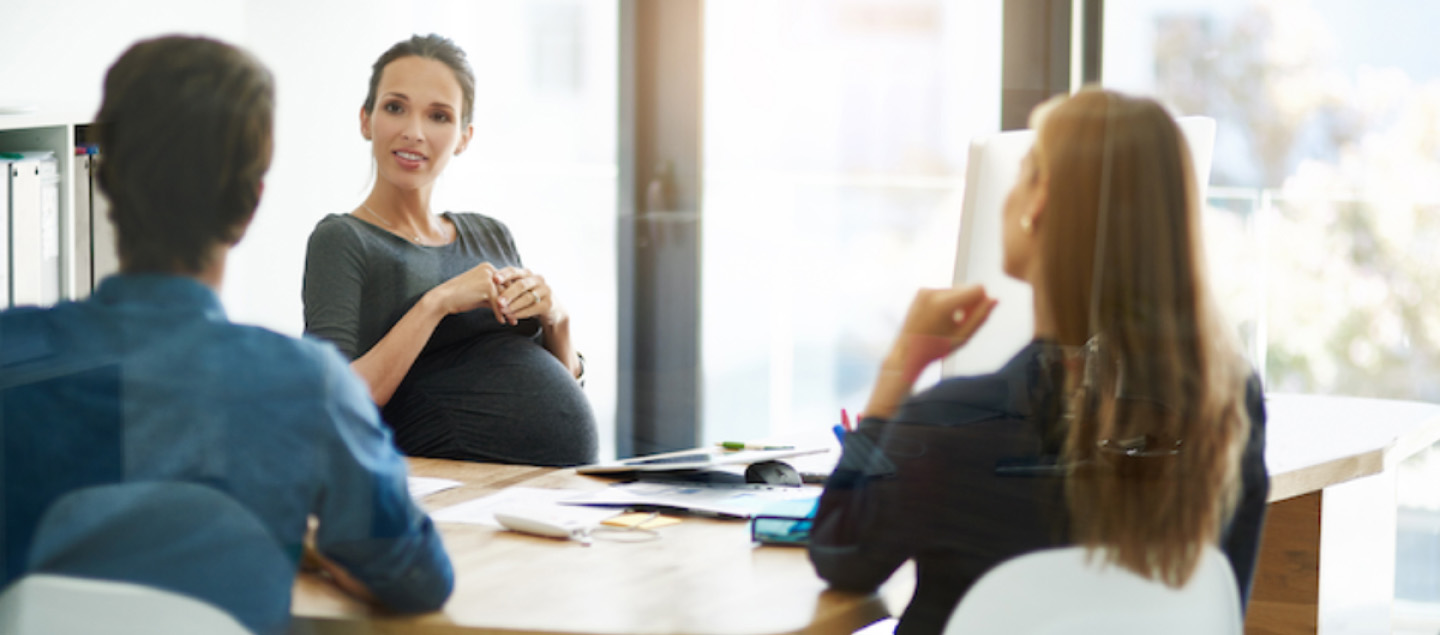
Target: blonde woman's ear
<point>364,123</point>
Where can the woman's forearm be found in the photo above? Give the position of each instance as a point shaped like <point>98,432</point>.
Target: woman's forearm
<point>557,341</point>
<point>938,322</point>
<point>893,386</point>
<point>387,363</point>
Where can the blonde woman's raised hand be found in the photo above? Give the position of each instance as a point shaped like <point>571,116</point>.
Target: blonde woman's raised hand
<point>940,321</point>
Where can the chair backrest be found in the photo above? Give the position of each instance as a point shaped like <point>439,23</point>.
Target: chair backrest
<point>1062,591</point>
<point>44,604</point>
<point>184,538</point>
<point>994,164</point>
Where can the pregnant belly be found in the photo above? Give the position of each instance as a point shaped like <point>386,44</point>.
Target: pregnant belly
<point>503,398</point>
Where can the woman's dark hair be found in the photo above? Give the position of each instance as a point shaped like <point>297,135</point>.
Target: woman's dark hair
<point>185,138</point>
<point>430,47</point>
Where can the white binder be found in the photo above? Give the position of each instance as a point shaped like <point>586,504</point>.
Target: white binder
<point>35,230</point>
<point>5,164</point>
<point>81,277</point>
<point>104,259</point>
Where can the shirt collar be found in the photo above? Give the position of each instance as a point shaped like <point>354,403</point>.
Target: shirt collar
<point>175,292</point>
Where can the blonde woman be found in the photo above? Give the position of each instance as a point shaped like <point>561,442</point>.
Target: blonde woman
<point>1129,422</point>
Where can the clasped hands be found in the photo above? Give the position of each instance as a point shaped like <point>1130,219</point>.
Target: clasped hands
<point>513,293</point>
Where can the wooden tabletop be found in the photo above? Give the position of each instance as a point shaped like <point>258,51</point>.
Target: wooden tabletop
<point>1315,441</point>
<point>705,577</point>
<point>701,576</point>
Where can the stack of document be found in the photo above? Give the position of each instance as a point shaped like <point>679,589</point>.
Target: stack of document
<point>723,501</point>
<point>696,460</point>
<point>726,501</point>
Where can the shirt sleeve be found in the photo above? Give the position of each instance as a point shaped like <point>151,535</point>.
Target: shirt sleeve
<point>927,489</point>
<point>504,239</point>
<point>368,522</point>
<point>334,277</point>
<point>851,546</point>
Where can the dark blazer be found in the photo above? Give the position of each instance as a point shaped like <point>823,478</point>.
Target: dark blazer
<point>924,486</point>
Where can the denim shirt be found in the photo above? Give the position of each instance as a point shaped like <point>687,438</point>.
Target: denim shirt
<point>147,380</point>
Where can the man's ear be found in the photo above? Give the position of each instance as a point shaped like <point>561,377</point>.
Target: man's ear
<point>243,225</point>
<point>465,139</point>
<point>364,123</point>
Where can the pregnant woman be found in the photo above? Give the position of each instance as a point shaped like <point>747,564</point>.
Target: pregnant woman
<point>466,351</point>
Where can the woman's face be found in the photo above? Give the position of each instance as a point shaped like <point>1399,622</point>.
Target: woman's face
<point>415,127</point>
<point>1023,205</point>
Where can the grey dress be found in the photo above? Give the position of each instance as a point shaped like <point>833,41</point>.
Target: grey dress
<point>480,390</point>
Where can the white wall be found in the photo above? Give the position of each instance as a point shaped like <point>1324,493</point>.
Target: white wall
<point>320,52</point>
<point>56,53</point>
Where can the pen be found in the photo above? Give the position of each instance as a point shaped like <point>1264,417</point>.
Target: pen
<point>845,420</point>
<point>840,434</point>
<point>741,445</point>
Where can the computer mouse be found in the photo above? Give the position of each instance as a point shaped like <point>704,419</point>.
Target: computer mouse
<point>773,473</point>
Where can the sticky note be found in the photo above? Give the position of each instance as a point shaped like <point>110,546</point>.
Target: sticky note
<point>640,520</point>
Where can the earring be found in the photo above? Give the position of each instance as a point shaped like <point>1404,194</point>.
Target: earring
<point>1026,224</point>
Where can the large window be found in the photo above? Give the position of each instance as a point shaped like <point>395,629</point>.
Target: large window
<point>1324,207</point>
<point>1326,180</point>
<point>543,156</point>
<point>835,140</point>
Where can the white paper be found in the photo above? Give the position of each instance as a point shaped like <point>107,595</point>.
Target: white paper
<point>422,486</point>
<point>481,511</point>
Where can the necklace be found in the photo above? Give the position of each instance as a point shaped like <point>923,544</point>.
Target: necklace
<point>415,239</point>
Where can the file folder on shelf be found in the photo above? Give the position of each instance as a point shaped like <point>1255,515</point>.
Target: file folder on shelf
<point>34,229</point>
<point>81,277</point>
<point>104,258</point>
<point>5,164</point>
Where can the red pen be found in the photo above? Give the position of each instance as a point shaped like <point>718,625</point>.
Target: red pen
<point>845,420</point>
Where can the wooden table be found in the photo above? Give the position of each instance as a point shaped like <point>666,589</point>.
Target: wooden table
<point>701,576</point>
<point>1327,557</point>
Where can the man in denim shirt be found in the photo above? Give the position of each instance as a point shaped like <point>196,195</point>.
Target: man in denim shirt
<point>148,381</point>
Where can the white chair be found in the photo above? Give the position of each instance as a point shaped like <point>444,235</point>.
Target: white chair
<point>1061,591</point>
<point>44,604</point>
<point>176,538</point>
<point>993,166</point>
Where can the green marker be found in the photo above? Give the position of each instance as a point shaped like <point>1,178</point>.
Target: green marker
<point>741,445</point>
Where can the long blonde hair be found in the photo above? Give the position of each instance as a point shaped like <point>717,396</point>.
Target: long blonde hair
<point>1155,400</point>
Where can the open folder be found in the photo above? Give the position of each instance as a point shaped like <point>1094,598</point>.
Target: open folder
<point>699,459</point>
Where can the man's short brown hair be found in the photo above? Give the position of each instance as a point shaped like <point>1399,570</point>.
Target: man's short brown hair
<point>185,139</point>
